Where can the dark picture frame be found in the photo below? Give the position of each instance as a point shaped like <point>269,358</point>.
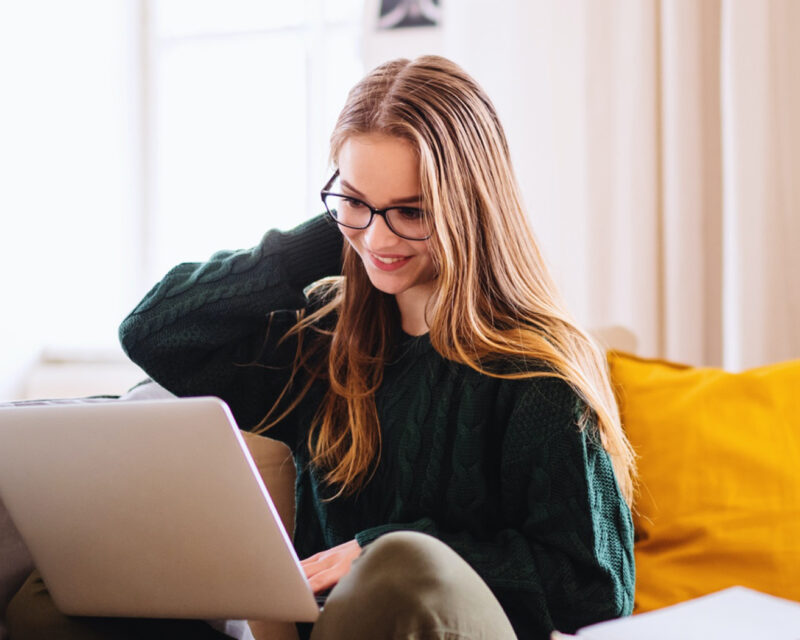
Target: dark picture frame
<point>404,14</point>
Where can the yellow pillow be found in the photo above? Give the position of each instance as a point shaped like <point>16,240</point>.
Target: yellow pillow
<point>719,463</point>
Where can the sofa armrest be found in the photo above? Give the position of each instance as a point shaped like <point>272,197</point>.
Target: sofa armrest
<point>16,563</point>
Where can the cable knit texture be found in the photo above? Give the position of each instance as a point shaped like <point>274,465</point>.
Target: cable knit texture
<point>497,469</point>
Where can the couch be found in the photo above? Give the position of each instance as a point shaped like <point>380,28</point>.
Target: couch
<point>718,502</point>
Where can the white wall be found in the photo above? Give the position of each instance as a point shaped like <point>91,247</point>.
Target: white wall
<point>69,176</point>
<point>138,134</point>
<point>538,92</point>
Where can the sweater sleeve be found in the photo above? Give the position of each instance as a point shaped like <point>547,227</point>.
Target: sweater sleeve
<point>194,331</point>
<point>563,556</point>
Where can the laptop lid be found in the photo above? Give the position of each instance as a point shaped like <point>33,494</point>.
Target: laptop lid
<point>148,508</point>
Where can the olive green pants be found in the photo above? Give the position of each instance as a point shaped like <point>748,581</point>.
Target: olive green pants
<point>404,585</point>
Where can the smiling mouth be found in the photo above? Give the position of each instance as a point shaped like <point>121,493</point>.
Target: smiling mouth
<point>388,263</point>
<point>389,260</point>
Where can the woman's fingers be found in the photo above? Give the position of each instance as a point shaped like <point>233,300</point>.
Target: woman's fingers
<point>326,579</point>
<point>326,568</point>
<point>317,563</point>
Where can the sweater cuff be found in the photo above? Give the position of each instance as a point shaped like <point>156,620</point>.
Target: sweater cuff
<point>312,250</point>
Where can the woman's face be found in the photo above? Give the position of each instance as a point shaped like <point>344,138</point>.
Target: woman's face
<point>384,171</point>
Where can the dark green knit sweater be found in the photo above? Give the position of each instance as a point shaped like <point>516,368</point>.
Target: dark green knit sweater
<point>497,469</point>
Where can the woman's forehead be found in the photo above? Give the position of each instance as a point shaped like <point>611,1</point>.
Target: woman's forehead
<point>380,167</point>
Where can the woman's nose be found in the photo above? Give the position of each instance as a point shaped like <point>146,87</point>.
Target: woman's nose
<point>378,234</point>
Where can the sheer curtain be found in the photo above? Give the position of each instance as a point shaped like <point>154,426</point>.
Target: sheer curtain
<point>657,143</point>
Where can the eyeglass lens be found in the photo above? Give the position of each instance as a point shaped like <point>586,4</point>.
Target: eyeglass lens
<point>405,221</point>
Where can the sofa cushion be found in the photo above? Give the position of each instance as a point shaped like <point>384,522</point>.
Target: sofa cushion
<point>719,463</point>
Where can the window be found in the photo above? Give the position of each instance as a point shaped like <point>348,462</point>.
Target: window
<point>242,99</point>
<point>141,133</point>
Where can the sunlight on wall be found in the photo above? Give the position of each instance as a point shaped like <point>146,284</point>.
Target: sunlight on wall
<point>138,134</point>
<point>244,100</point>
<point>68,130</point>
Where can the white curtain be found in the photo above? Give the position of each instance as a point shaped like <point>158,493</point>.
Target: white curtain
<point>657,143</point>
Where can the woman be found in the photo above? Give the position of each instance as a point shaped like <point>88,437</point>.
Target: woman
<point>461,470</point>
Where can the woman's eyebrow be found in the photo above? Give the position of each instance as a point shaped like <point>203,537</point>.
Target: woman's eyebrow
<point>408,200</point>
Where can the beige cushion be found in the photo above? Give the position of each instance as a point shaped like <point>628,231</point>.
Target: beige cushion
<point>274,462</point>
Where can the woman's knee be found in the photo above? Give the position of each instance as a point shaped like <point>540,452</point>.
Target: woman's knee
<point>408,584</point>
<point>411,563</point>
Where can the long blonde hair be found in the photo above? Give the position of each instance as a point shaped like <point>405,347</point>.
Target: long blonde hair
<point>494,301</point>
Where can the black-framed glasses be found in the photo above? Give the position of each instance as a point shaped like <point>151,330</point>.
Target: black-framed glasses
<point>409,223</point>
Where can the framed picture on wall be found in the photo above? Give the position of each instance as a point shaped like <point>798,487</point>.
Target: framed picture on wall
<point>403,14</point>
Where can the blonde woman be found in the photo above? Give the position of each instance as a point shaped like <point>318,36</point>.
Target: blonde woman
<point>461,470</point>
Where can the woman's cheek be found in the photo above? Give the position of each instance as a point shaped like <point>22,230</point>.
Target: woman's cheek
<point>350,235</point>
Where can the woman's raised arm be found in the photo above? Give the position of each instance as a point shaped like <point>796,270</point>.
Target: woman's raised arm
<point>192,332</point>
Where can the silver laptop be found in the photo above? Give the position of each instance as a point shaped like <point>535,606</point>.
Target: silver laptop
<point>150,509</point>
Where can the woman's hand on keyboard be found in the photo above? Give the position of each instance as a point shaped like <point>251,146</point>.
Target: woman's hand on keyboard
<point>326,568</point>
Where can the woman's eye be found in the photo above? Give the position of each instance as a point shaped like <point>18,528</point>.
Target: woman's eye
<point>411,214</point>
<point>352,203</point>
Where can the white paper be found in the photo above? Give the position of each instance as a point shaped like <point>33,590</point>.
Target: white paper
<point>737,613</point>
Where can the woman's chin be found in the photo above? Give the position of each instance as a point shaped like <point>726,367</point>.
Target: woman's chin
<point>391,285</point>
